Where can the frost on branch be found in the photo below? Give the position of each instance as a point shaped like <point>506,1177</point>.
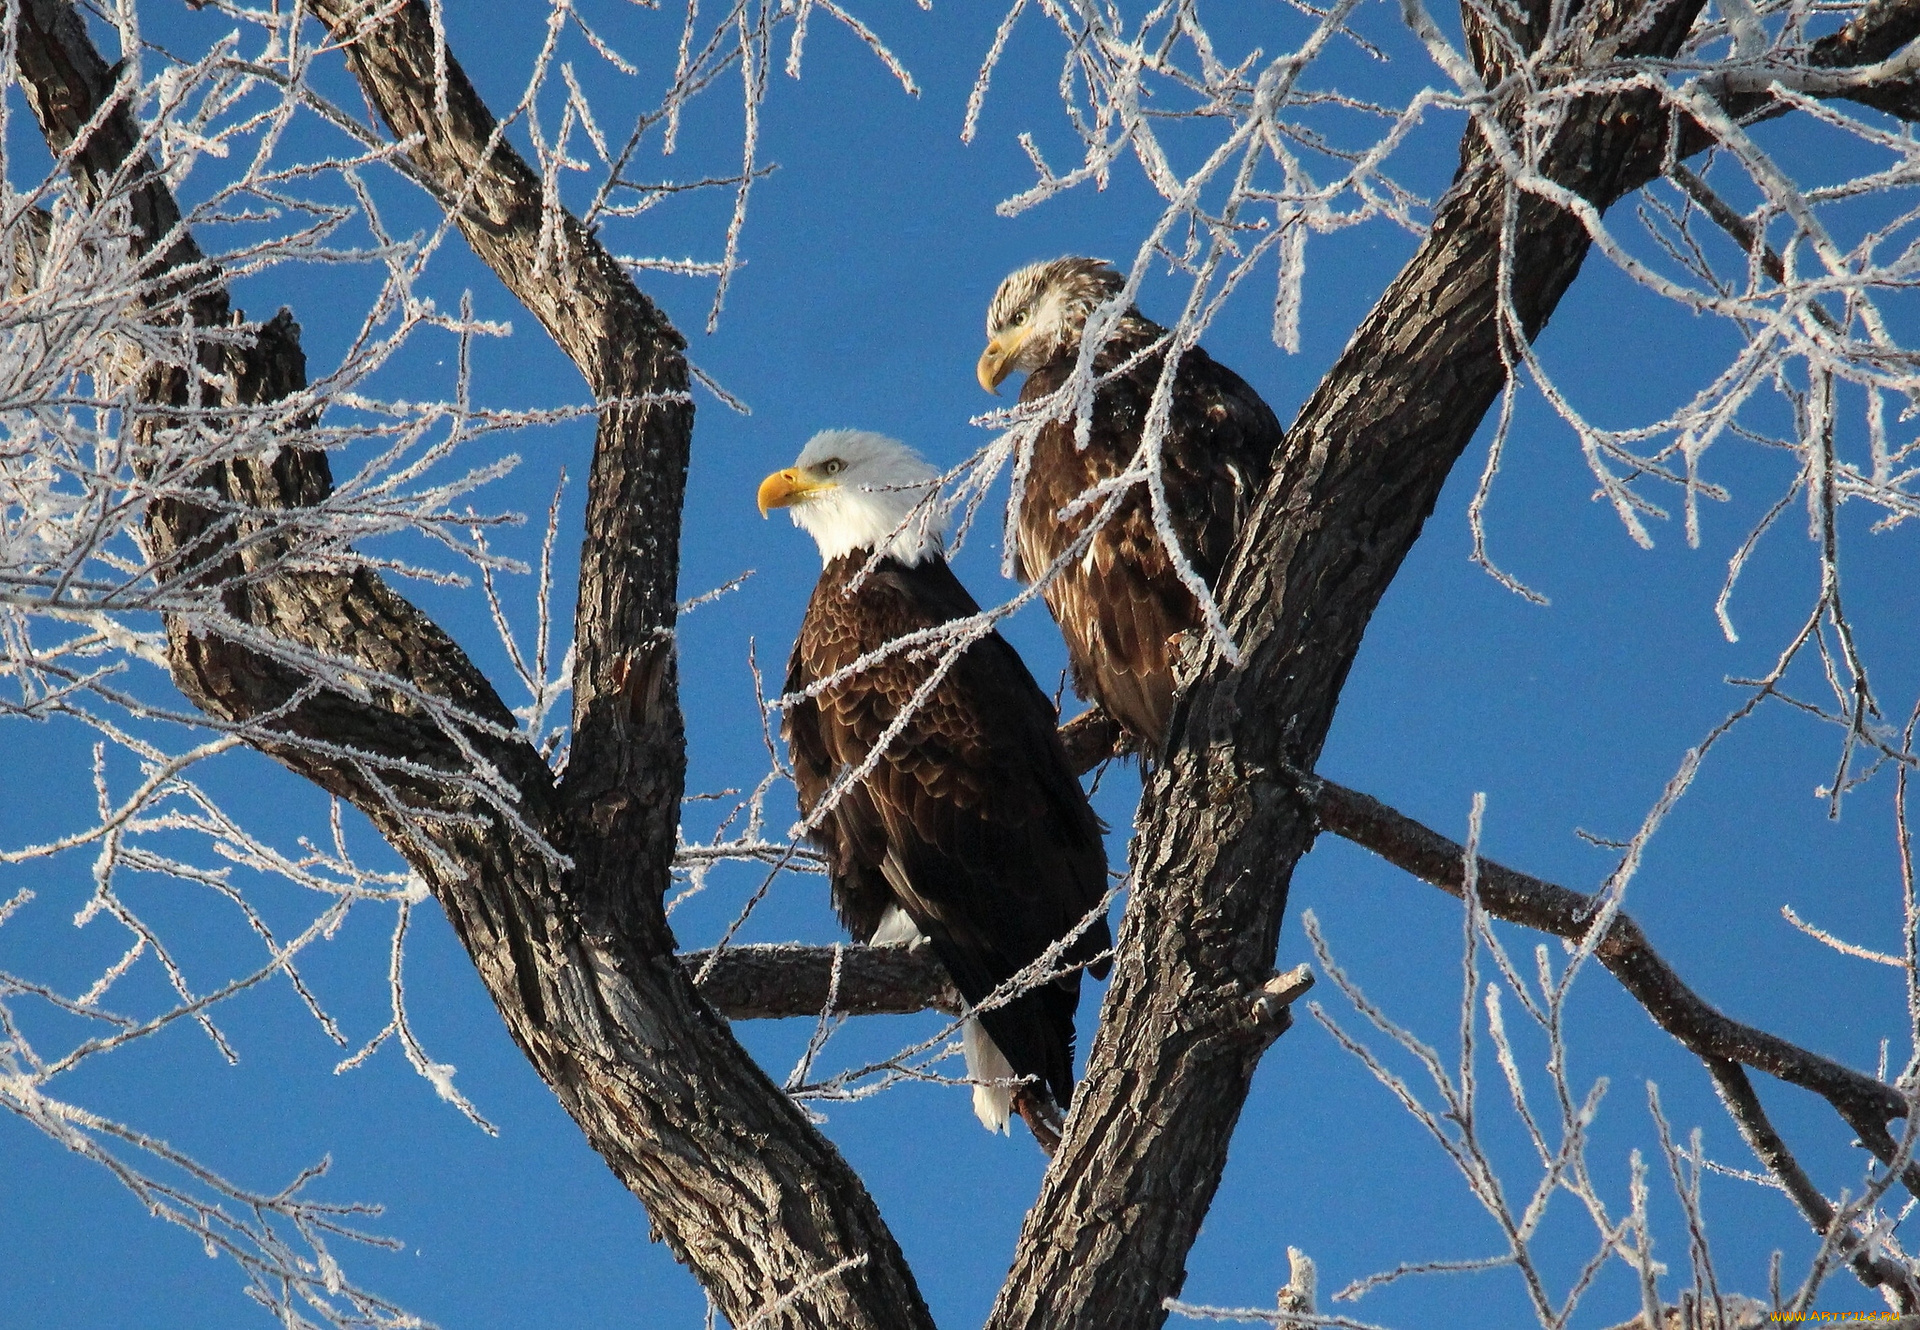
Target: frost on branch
<point>1253,147</point>
<point>1858,1230</point>
<point>1256,139</point>
<point>120,399</point>
<point>1250,149</point>
<point>160,845</point>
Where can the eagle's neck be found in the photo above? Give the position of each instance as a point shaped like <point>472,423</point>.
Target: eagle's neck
<point>893,520</point>
<point>1134,331</point>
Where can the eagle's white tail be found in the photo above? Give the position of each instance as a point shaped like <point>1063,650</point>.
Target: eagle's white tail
<point>896,926</point>
<point>992,1104</point>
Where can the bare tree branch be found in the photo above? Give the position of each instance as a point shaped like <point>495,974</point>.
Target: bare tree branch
<point>1867,1105</point>
<point>1500,34</point>
<point>788,979</point>
<point>556,889</point>
<point>1220,828</point>
<point>1091,738</point>
<point>1881,30</point>
<point>792,980</point>
<point>1737,1093</point>
<point>579,962</point>
<point>1744,235</point>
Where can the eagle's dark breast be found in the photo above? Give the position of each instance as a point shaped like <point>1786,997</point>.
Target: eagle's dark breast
<point>1119,604</point>
<point>972,820</point>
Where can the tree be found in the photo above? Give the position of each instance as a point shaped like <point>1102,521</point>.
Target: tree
<point>178,508</point>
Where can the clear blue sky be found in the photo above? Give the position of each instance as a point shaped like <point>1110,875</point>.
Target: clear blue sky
<point>871,254</point>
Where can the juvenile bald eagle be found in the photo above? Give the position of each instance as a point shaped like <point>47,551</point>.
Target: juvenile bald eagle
<point>971,830</point>
<point>1121,604</point>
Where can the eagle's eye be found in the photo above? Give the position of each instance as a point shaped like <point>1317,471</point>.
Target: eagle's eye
<point>833,466</point>
<point>1019,318</point>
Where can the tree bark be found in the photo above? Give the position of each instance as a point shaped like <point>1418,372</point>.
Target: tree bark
<point>556,889</point>
<point>577,956</point>
<point>1221,825</point>
<point>787,979</point>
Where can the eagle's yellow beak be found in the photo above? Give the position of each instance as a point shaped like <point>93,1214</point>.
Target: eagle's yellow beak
<point>782,489</point>
<point>996,362</point>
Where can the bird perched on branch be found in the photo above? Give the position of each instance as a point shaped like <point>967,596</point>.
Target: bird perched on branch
<point>1121,603</point>
<point>963,824</point>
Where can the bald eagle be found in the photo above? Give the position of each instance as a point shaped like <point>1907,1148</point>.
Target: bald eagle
<point>1121,604</point>
<point>971,830</point>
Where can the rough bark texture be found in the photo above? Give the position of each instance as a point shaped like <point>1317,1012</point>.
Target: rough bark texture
<point>577,953</point>
<point>1107,1240</point>
<point>787,979</point>
<point>579,962</point>
<point>1221,827</point>
<point>742,1189</point>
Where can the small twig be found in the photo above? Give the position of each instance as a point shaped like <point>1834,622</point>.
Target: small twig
<point>1865,1104</point>
<point>1744,235</point>
<point>1743,1105</point>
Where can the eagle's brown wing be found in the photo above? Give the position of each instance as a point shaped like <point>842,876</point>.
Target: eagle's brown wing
<point>1121,602</point>
<point>848,839</point>
<point>972,817</point>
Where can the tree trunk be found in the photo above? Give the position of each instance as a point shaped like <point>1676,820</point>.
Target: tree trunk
<point>556,889</point>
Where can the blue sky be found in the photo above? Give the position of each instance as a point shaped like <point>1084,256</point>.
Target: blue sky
<point>871,254</point>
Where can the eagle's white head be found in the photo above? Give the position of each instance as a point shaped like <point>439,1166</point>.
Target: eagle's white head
<point>1040,311</point>
<point>852,489</point>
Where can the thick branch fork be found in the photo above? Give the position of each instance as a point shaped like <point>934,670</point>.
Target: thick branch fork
<point>580,961</point>
<point>737,1182</point>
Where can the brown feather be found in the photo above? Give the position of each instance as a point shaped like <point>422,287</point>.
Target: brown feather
<point>1121,604</point>
<point>972,820</point>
